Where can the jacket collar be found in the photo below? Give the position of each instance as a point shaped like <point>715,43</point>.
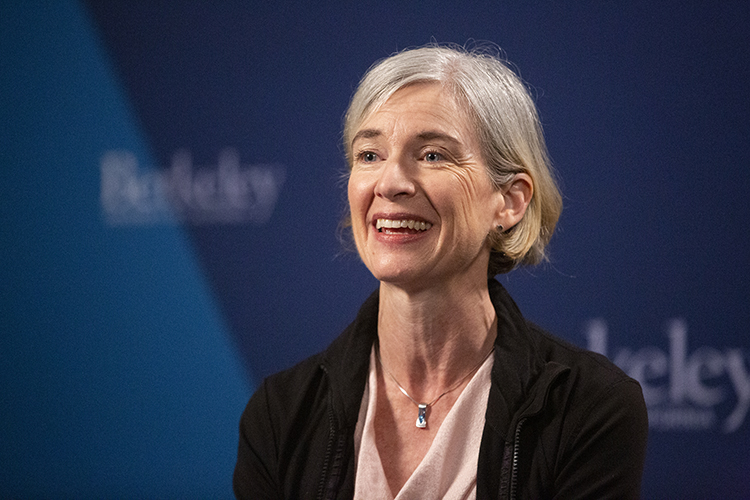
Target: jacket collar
<point>520,376</point>
<point>347,362</point>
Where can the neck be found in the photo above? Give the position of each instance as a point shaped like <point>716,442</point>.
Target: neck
<point>429,339</point>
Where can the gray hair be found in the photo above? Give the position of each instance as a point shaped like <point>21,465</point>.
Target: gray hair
<point>505,120</point>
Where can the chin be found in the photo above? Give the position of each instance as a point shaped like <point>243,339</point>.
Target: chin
<point>393,276</point>
<point>395,270</point>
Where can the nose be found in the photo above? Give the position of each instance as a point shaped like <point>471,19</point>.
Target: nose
<point>395,180</point>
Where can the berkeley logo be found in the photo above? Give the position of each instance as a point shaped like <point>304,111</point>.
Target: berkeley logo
<point>228,193</point>
<point>682,389</point>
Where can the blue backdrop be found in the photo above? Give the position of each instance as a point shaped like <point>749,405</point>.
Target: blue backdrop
<point>172,189</point>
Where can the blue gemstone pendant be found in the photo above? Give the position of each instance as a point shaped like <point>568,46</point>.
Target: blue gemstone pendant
<point>422,417</point>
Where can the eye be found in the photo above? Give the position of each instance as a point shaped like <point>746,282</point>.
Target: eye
<point>433,156</point>
<point>367,156</point>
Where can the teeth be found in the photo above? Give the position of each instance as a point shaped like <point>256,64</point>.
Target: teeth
<point>411,224</point>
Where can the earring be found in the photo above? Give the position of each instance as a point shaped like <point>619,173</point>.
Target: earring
<point>500,228</point>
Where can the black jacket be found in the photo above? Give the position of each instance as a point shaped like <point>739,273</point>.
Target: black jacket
<point>561,422</point>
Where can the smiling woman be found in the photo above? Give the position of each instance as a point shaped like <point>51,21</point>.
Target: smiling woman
<point>418,159</point>
<point>501,114</point>
<point>441,388</point>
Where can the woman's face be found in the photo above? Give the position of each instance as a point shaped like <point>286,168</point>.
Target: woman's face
<point>417,163</point>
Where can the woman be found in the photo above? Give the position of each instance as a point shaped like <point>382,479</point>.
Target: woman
<point>440,388</point>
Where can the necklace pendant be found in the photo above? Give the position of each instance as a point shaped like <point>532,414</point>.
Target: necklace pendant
<point>422,417</point>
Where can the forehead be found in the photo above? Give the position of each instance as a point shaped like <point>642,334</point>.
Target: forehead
<point>417,109</point>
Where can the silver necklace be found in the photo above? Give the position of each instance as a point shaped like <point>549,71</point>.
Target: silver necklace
<point>422,415</point>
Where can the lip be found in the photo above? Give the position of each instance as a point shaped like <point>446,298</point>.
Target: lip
<point>401,237</point>
<point>398,216</point>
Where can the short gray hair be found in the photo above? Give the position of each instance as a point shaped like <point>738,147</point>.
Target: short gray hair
<point>505,121</point>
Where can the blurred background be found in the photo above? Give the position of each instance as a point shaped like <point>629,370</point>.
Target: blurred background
<point>171,191</point>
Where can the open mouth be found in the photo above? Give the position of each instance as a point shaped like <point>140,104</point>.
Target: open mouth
<point>389,226</point>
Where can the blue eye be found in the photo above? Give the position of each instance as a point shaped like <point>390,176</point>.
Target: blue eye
<point>432,156</point>
<point>368,156</point>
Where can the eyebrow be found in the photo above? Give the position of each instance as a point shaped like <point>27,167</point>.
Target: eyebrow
<point>370,133</point>
<point>431,136</point>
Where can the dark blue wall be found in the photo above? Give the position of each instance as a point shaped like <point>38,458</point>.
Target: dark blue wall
<point>172,189</point>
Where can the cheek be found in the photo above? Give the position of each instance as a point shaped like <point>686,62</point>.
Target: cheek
<point>352,192</point>
<point>357,194</point>
<point>470,199</point>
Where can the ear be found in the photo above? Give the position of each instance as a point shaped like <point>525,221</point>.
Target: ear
<point>516,196</point>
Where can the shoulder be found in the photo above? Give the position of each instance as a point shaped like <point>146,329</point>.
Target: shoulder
<point>582,361</point>
<point>598,401</point>
<point>286,414</point>
<point>600,423</point>
<point>286,427</point>
<point>303,392</point>
<point>285,394</point>
<point>591,377</point>
<point>290,383</point>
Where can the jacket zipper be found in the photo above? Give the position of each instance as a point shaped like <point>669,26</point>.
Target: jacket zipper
<point>516,452</point>
<point>517,439</point>
<point>329,448</point>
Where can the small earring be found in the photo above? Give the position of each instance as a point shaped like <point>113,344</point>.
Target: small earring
<point>500,228</point>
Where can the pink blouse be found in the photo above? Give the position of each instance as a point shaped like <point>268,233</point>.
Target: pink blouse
<point>449,469</point>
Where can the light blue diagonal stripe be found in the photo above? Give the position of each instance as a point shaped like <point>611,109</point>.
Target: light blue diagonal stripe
<point>117,374</point>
